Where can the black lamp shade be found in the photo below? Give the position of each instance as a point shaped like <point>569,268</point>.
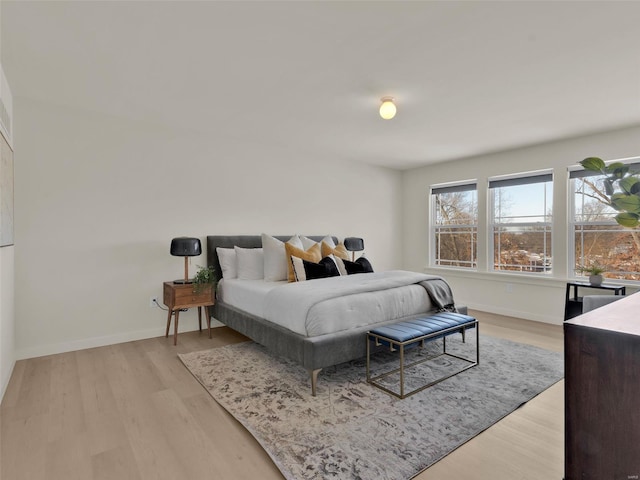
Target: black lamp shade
<point>354,244</point>
<point>186,247</point>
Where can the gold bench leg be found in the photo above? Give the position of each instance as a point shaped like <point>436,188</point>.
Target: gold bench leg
<point>401,371</point>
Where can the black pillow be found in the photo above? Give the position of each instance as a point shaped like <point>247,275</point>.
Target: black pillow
<point>330,265</point>
<point>314,270</point>
<point>361,265</point>
<point>365,264</point>
<point>325,268</point>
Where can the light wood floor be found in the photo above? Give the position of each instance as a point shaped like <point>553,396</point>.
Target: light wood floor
<point>133,411</point>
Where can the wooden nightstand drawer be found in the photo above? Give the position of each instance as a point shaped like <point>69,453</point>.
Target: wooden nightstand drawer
<point>181,296</point>
<point>188,296</point>
<point>193,299</point>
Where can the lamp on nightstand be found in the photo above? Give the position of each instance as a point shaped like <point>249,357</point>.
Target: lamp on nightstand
<point>185,247</point>
<point>354,244</point>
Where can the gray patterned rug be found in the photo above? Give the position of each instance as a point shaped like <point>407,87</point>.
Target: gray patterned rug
<point>352,430</point>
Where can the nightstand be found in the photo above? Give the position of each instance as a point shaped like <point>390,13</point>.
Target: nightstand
<point>178,296</point>
<point>573,305</point>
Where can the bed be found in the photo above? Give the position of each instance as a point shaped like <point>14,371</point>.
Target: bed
<point>314,346</point>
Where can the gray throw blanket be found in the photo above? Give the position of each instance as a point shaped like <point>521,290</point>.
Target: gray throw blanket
<point>440,293</point>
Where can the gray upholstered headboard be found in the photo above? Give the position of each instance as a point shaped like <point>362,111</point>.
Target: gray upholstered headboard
<point>244,241</point>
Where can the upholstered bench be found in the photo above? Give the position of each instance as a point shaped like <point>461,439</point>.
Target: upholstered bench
<point>406,334</point>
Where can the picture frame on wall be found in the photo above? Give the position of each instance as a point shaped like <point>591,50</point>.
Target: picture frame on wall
<point>6,163</point>
<point>6,193</point>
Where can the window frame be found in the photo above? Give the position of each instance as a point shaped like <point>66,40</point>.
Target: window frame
<point>494,228</point>
<point>434,227</point>
<point>579,172</point>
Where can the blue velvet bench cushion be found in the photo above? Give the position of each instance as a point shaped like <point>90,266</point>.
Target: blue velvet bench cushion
<point>437,325</point>
<point>411,333</point>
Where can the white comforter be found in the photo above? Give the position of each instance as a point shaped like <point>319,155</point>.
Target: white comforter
<point>330,305</point>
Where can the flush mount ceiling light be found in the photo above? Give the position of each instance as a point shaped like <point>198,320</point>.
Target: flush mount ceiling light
<point>387,108</point>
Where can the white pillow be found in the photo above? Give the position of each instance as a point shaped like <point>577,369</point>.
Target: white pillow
<point>250,263</point>
<point>340,264</point>
<point>275,258</point>
<point>307,243</point>
<point>298,269</point>
<point>228,263</point>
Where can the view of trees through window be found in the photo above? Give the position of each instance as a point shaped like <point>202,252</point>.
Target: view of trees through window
<point>455,226</point>
<point>598,239</point>
<point>520,227</point>
<point>521,223</point>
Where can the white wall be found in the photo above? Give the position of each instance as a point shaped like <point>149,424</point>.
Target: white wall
<point>523,296</point>
<point>98,200</point>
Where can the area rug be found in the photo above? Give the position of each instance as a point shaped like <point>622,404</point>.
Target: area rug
<point>352,430</point>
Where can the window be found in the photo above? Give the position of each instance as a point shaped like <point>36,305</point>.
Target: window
<point>597,238</point>
<point>454,225</point>
<point>521,222</point>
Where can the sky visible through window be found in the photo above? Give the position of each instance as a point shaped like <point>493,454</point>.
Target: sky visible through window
<point>526,203</point>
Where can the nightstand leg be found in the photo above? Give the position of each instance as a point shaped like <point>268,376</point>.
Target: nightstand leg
<point>200,318</point>
<point>168,323</point>
<point>208,314</point>
<point>175,329</point>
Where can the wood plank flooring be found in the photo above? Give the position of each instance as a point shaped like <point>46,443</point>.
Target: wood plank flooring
<point>133,411</point>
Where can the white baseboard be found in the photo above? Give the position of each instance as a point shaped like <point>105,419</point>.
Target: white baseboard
<point>52,349</point>
<point>514,313</point>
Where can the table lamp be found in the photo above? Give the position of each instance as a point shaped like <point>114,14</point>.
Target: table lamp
<point>354,244</point>
<point>185,247</point>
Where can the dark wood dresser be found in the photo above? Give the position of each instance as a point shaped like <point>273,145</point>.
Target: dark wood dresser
<point>602,393</point>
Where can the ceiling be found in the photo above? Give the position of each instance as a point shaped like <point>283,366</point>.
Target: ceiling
<point>468,77</point>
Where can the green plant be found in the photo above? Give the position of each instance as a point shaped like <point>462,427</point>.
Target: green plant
<point>594,269</point>
<point>204,276</point>
<point>621,189</point>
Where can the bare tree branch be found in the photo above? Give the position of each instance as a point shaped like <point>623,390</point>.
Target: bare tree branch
<point>599,194</point>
